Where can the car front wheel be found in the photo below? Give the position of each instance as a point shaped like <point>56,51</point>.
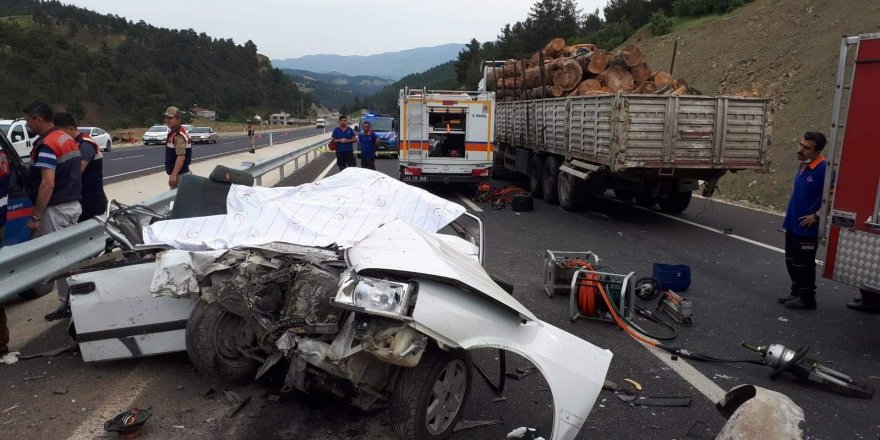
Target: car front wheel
<point>428,399</point>
<point>107,146</point>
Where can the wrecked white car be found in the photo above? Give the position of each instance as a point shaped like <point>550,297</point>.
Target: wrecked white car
<point>383,315</point>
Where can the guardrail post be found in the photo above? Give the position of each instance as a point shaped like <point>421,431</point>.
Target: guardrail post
<point>271,143</point>
<point>259,180</point>
<point>281,172</point>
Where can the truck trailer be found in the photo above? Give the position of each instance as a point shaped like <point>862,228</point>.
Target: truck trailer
<point>656,149</point>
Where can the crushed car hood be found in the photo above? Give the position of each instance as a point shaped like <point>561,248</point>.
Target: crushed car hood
<point>399,247</point>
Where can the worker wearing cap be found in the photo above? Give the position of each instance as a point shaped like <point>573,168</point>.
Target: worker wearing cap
<point>178,151</point>
<point>802,223</point>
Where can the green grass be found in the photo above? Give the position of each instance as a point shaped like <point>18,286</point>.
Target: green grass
<point>683,23</point>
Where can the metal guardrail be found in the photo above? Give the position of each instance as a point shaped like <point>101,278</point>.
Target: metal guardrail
<point>26,264</point>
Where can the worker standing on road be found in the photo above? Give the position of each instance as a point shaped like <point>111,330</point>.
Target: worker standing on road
<point>94,201</point>
<point>4,199</point>
<point>54,182</point>
<point>250,133</point>
<point>178,153</point>
<point>344,138</point>
<point>802,223</point>
<point>368,140</point>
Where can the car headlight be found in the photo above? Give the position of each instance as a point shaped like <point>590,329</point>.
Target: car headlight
<point>374,295</point>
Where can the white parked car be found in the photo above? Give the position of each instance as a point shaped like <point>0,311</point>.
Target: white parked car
<point>157,134</point>
<point>101,137</point>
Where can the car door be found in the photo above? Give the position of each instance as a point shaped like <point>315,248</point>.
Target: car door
<point>20,141</point>
<point>19,208</point>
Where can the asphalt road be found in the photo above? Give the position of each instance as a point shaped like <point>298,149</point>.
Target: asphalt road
<point>136,160</point>
<point>736,279</point>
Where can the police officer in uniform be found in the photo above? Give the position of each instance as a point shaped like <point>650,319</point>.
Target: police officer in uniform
<point>94,201</point>
<point>178,153</point>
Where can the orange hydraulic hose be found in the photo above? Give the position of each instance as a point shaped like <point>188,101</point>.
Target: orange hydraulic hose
<point>614,312</point>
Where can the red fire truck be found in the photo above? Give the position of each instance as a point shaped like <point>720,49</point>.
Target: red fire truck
<point>851,224</point>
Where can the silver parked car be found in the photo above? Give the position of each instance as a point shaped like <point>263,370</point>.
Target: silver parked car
<point>203,135</point>
<point>101,137</point>
<point>157,134</point>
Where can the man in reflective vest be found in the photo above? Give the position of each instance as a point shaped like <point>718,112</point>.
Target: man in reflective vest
<point>94,201</point>
<point>178,153</point>
<point>54,182</point>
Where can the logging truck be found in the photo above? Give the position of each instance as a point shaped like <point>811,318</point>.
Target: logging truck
<point>579,121</point>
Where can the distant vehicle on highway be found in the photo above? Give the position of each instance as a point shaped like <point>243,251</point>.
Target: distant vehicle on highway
<point>17,134</point>
<point>203,135</point>
<point>320,123</point>
<point>101,137</point>
<point>157,134</point>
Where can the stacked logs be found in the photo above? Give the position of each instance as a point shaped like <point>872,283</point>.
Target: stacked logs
<point>580,70</point>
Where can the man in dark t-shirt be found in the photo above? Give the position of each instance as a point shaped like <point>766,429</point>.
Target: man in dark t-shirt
<point>344,138</point>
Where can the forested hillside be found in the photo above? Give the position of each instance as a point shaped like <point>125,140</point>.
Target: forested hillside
<point>336,89</point>
<point>108,70</point>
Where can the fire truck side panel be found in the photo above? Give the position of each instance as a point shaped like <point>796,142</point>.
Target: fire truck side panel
<point>853,246</point>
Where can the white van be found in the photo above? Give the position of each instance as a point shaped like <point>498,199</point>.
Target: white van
<point>319,123</point>
<point>16,131</point>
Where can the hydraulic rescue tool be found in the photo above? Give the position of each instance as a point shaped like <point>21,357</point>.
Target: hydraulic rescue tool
<point>677,307</point>
<point>782,359</point>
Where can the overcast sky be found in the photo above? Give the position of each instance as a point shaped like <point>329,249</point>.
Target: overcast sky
<point>289,29</point>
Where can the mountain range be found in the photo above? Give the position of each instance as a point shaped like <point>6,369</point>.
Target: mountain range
<point>335,89</point>
<point>390,65</point>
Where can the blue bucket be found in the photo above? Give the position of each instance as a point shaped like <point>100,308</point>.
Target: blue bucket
<point>675,277</point>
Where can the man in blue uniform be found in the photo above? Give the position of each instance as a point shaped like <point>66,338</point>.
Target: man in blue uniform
<point>368,140</point>
<point>802,223</point>
<point>344,138</point>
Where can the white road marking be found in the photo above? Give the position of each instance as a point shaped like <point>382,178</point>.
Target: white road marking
<point>326,171</point>
<point>469,203</point>
<point>129,157</point>
<point>702,383</point>
<point>711,229</point>
<point>123,396</point>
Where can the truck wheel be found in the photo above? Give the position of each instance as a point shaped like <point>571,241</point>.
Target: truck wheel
<point>676,203</point>
<point>536,176</point>
<point>428,399</point>
<point>550,179</point>
<point>646,199</point>
<point>213,338</point>
<point>572,192</point>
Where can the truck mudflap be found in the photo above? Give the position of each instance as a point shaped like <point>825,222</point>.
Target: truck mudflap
<point>574,368</point>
